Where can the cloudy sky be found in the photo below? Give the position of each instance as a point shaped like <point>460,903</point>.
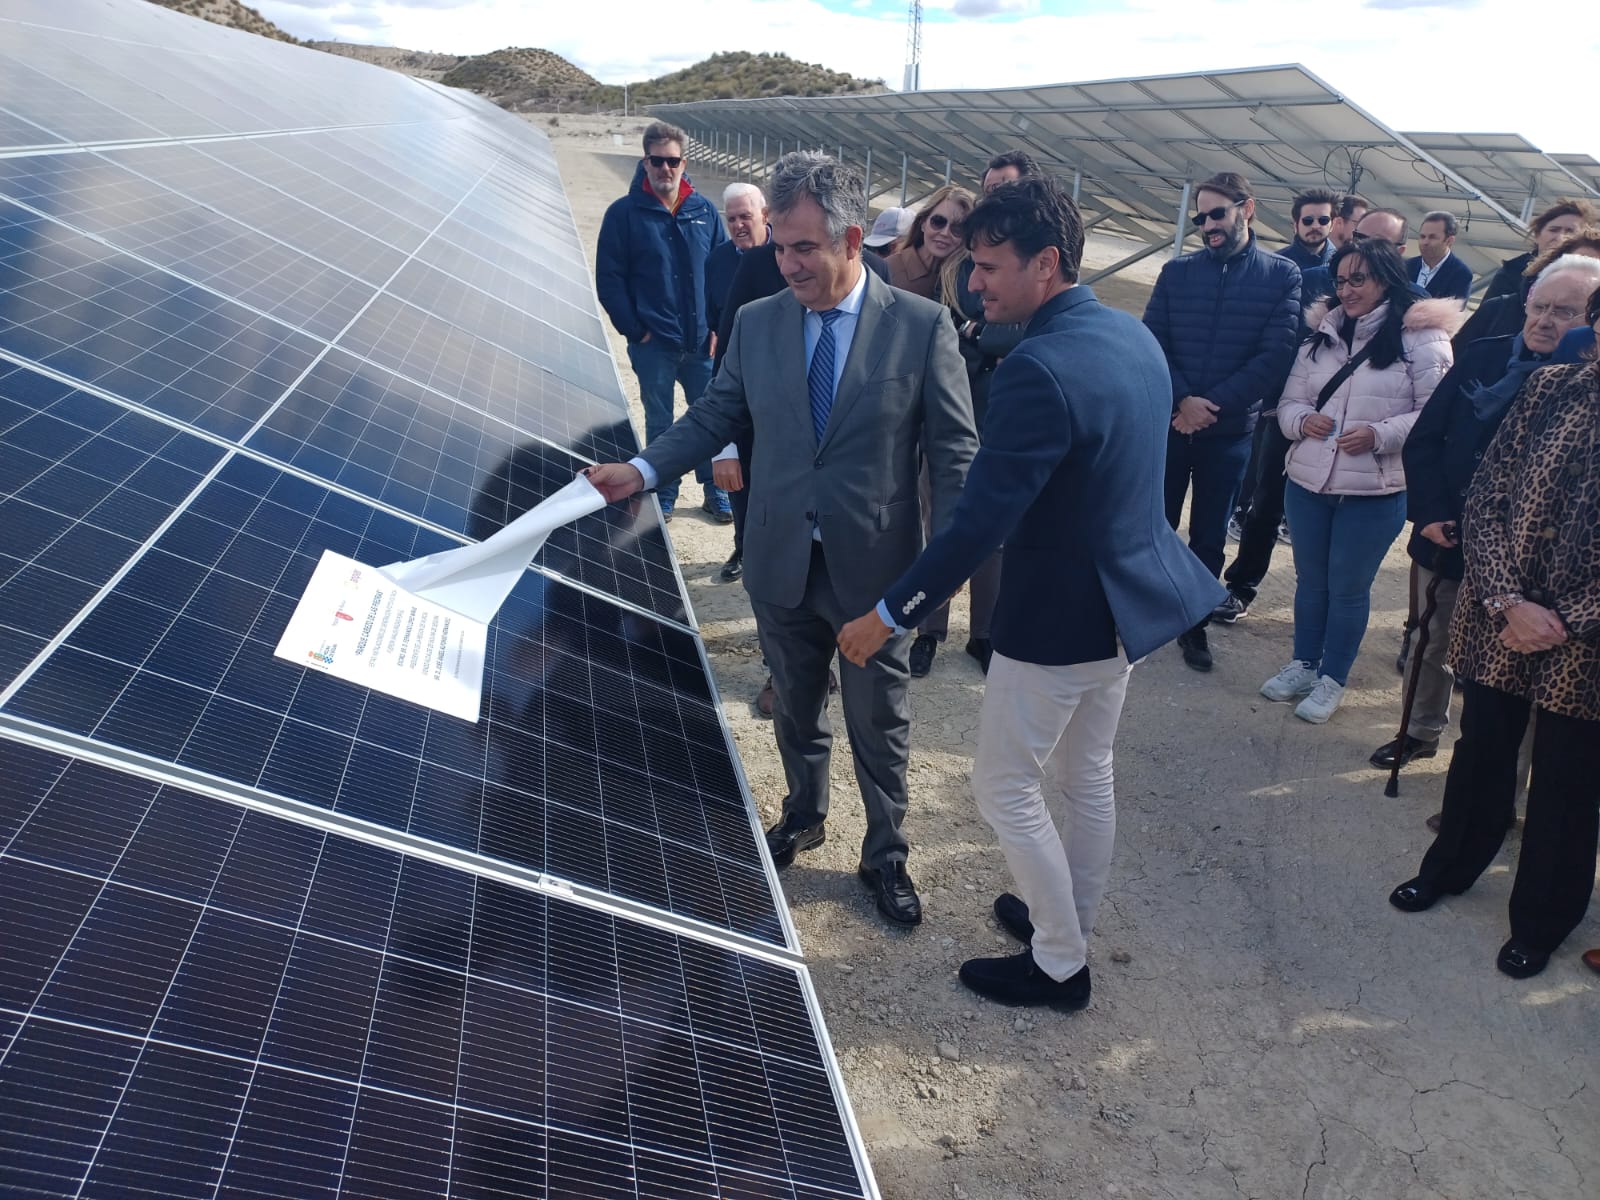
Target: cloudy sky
<point>1414,64</point>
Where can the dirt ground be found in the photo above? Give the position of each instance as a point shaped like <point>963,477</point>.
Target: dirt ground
<point>1264,1024</point>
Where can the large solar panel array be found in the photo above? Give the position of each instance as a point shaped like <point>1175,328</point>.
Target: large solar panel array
<point>1132,147</point>
<point>268,933</point>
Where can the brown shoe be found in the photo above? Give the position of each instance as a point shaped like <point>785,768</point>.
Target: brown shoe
<point>1591,959</point>
<point>765,700</point>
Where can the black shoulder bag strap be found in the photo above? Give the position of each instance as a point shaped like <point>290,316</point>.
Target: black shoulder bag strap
<point>1343,373</point>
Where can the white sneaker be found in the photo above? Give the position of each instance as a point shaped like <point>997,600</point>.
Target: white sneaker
<point>1296,679</point>
<point>1322,703</point>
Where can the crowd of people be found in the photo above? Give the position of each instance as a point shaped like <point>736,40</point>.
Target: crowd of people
<point>888,410</point>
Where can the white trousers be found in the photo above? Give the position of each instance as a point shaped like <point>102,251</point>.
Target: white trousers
<point>1046,736</point>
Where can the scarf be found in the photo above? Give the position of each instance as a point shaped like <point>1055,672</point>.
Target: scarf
<point>1489,404</point>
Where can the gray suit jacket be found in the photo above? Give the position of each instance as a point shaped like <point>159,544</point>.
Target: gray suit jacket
<point>903,394</point>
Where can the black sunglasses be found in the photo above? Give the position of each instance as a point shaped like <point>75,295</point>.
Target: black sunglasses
<point>665,160</point>
<point>939,221</point>
<point>1212,214</point>
<point>1308,221</point>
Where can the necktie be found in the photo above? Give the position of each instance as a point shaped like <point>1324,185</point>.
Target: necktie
<point>819,376</point>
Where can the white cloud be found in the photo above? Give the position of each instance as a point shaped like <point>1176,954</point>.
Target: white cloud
<point>1371,54</point>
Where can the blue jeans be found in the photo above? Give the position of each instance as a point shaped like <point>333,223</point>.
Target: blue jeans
<point>1339,542</point>
<point>1216,468</point>
<point>659,366</point>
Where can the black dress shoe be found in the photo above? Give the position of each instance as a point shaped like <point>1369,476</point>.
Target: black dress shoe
<point>893,890</point>
<point>1383,756</point>
<point>733,568</point>
<point>1016,980</point>
<point>981,649</point>
<point>1520,961</point>
<point>922,652</point>
<point>1196,648</point>
<point>793,835</point>
<point>1415,895</point>
<point>1012,914</point>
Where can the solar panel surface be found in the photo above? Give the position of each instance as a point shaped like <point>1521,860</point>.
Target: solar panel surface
<point>320,1016</point>
<point>282,936</point>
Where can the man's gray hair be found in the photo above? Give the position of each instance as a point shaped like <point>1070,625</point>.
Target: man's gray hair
<point>1572,264</point>
<point>734,190</point>
<point>839,190</point>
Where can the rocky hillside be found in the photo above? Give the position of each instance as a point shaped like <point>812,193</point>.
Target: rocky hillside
<point>423,63</point>
<point>525,80</point>
<point>230,13</point>
<point>739,75</point>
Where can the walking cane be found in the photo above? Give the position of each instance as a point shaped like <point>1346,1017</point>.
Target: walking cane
<point>1430,603</point>
<point>1410,626</point>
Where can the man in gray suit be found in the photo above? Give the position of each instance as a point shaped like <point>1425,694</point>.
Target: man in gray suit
<point>845,383</point>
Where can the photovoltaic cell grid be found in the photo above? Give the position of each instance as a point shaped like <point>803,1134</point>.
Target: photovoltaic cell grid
<point>599,756</point>
<point>83,483</point>
<point>324,1017</point>
<point>377,283</point>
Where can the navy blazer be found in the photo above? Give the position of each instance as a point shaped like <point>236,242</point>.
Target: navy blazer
<point>1069,477</point>
<point>1453,280</point>
<point>1444,447</point>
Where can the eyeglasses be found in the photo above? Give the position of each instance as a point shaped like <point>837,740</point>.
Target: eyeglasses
<point>1310,221</point>
<point>1212,214</point>
<point>939,221</point>
<point>1350,281</point>
<point>1561,315</point>
<point>665,160</point>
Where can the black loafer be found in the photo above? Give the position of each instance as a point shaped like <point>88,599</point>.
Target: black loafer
<point>793,835</point>
<point>893,890</point>
<point>1520,961</point>
<point>922,652</point>
<point>1383,756</point>
<point>732,569</point>
<point>1016,980</point>
<point>1415,895</point>
<point>1196,649</point>
<point>1012,914</point>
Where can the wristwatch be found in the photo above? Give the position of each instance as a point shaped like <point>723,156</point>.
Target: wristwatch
<point>1499,604</point>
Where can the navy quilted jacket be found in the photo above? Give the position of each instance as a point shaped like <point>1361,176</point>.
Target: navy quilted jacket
<point>1229,330</point>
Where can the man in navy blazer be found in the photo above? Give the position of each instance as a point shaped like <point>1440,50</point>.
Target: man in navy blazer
<point>1437,271</point>
<point>1069,477</point>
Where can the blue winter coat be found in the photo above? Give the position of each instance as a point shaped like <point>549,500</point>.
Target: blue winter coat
<point>650,266</point>
<point>1228,330</point>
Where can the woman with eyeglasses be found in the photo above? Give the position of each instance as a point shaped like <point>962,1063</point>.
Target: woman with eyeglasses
<point>1526,636</point>
<point>1358,382</point>
<point>934,237</point>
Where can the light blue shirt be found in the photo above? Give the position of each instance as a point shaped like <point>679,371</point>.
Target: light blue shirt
<point>844,333</point>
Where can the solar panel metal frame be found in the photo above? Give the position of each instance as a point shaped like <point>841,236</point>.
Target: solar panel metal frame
<point>221,129</point>
<point>1131,146</point>
<point>1508,167</point>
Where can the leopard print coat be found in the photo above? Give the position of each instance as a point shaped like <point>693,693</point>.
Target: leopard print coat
<point>1532,525</point>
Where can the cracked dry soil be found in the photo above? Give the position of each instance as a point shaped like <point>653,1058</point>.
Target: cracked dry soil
<point>1264,1025</point>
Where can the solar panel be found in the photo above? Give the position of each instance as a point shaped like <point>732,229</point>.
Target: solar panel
<point>320,1016</point>
<point>1130,146</point>
<point>278,935</point>
<point>1506,166</point>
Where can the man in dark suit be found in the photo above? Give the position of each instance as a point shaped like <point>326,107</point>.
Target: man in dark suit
<point>1070,478</point>
<point>1437,271</point>
<point>846,385</point>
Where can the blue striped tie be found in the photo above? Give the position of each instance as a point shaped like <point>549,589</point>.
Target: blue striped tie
<point>819,376</point>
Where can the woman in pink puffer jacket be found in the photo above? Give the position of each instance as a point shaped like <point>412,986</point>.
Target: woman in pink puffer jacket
<point>1346,495</point>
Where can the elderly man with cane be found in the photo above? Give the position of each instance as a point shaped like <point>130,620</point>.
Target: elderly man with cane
<point>1440,456</point>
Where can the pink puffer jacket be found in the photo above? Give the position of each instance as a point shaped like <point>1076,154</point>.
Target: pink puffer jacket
<point>1388,400</point>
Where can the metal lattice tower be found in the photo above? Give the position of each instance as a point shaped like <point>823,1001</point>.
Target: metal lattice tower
<point>913,79</point>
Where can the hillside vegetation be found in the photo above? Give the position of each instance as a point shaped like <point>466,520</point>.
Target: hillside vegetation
<point>230,13</point>
<point>738,75</point>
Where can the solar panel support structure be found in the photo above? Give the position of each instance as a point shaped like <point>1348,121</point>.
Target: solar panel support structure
<point>1183,217</point>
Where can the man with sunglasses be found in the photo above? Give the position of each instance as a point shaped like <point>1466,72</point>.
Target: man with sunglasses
<point>1226,317</point>
<point>650,274</point>
<point>1313,218</point>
